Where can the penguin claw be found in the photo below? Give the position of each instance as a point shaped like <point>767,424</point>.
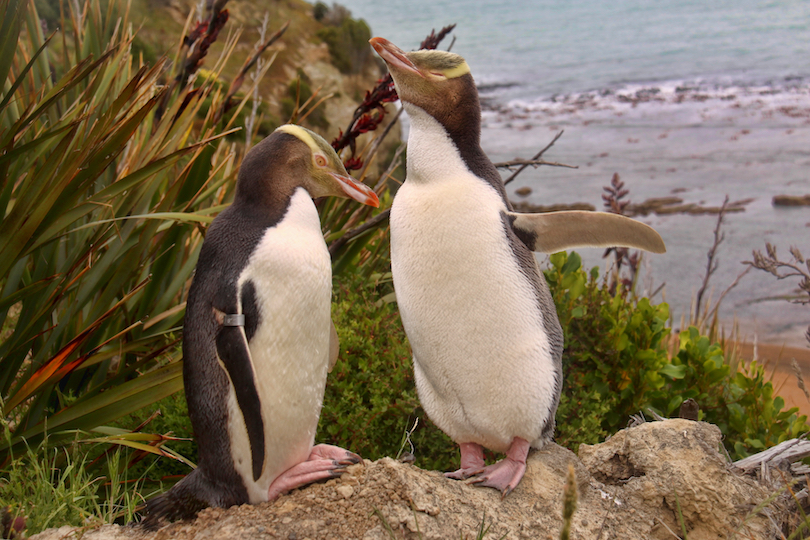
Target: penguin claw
<point>504,476</point>
<point>472,461</point>
<point>336,453</point>
<point>463,474</point>
<point>324,462</point>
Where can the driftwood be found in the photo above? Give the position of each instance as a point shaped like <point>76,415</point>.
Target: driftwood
<point>778,457</point>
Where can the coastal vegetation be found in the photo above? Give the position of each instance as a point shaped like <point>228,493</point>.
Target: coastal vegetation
<point>116,156</point>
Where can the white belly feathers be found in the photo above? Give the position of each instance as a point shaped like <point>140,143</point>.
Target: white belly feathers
<point>291,271</point>
<point>484,372</point>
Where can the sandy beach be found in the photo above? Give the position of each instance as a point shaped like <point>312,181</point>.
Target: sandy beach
<point>778,362</point>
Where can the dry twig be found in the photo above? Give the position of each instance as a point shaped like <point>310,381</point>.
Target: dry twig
<point>536,157</point>
<point>510,165</point>
<point>711,263</point>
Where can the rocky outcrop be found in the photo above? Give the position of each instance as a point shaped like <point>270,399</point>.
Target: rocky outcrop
<point>791,200</point>
<point>651,481</point>
<point>660,205</point>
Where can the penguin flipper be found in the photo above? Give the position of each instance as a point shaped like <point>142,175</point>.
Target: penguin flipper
<point>558,231</point>
<point>334,346</point>
<point>234,354</point>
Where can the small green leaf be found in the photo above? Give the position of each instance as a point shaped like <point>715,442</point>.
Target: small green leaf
<point>673,371</point>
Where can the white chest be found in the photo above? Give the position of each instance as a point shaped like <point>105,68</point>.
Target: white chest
<point>291,272</point>
<point>482,359</point>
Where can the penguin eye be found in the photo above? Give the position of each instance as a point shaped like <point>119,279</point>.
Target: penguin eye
<point>320,160</point>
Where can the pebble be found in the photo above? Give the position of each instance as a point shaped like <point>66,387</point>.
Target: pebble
<point>345,491</point>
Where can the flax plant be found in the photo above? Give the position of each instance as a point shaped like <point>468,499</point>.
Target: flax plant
<point>107,177</point>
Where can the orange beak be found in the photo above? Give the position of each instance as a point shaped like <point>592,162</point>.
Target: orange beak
<point>393,55</point>
<point>356,190</point>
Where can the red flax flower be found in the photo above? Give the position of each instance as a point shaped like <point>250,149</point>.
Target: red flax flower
<point>370,113</point>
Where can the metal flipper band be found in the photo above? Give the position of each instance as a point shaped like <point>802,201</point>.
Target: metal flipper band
<point>237,319</point>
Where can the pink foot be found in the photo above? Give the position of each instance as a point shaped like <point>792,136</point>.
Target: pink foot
<point>324,462</point>
<point>472,461</point>
<point>506,474</point>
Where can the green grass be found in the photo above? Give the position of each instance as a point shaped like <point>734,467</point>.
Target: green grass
<point>51,486</point>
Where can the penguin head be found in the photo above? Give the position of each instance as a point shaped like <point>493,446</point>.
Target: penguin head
<point>291,157</point>
<point>437,81</point>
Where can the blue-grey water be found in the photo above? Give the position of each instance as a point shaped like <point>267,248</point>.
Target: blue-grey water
<point>689,98</point>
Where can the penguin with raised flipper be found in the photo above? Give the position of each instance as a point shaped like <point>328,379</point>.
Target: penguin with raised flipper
<point>487,344</point>
<point>258,338</point>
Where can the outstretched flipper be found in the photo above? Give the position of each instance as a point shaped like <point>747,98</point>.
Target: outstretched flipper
<point>558,231</point>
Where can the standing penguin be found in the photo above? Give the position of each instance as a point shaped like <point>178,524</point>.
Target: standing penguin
<point>258,337</point>
<point>486,340</point>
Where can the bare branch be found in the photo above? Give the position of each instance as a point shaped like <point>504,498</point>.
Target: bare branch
<point>354,233</point>
<point>537,156</point>
<point>781,269</point>
<point>533,163</point>
<point>711,263</point>
<point>375,145</point>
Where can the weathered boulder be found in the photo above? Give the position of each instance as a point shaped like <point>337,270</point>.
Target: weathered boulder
<point>630,487</point>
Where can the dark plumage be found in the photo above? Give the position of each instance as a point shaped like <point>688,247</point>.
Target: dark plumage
<point>253,394</point>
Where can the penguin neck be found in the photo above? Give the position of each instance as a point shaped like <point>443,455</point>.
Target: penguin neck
<point>436,152</point>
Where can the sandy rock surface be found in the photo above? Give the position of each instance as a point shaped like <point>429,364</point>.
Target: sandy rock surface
<point>627,489</point>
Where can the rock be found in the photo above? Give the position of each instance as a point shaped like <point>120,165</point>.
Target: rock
<point>663,466</point>
<point>345,491</point>
<point>791,200</point>
<point>524,191</point>
<point>675,205</point>
<point>630,487</point>
<point>523,206</point>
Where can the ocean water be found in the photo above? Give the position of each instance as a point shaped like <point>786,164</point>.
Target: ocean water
<point>681,98</point>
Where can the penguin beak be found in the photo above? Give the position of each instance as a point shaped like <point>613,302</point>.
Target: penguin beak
<point>393,55</point>
<point>356,190</point>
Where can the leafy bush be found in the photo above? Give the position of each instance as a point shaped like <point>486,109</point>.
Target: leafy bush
<point>107,178</point>
<point>370,397</point>
<point>616,364</point>
<point>101,183</point>
<point>347,40</point>
<point>319,11</point>
<point>172,420</point>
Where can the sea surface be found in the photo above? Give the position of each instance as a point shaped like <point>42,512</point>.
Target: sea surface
<point>692,99</point>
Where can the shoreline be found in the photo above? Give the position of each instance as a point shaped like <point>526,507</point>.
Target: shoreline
<point>698,147</point>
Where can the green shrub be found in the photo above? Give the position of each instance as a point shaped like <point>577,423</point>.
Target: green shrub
<point>51,486</point>
<point>319,11</point>
<point>616,364</point>
<point>348,44</point>
<point>370,395</point>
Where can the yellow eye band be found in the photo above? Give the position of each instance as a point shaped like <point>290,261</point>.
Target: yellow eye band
<point>458,71</point>
<point>302,134</point>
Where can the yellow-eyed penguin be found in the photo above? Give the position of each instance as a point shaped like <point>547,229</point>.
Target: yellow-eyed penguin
<point>487,344</point>
<point>258,337</point>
